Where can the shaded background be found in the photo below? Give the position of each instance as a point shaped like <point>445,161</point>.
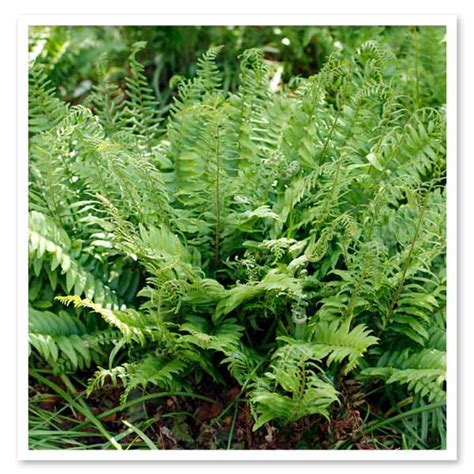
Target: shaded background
<point>71,54</point>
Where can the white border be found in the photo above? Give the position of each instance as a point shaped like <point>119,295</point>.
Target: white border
<point>450,454</point>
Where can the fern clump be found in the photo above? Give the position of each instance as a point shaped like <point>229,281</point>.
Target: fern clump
<point>287,241</point>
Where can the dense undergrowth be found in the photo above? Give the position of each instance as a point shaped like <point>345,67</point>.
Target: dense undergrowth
<point>256,266</point>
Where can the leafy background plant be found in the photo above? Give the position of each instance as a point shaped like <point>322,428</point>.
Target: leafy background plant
<point>263,219</point>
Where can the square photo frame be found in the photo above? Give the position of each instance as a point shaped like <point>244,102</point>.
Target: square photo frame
<point>273,286</point>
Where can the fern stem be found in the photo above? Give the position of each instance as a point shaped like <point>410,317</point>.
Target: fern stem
<point>417,73</point>
<point>329,137</point>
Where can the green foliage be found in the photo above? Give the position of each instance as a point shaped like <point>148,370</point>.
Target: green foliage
<point>339,342</point>
<point>424,371</point>
<point>50,250</point>
<point>151,370</point>
<point>139,112</point>
<point>288,238</point>
<point>293,371</point>
<point>44,109</point>
<point>132,325</point>
<point>65,342</point>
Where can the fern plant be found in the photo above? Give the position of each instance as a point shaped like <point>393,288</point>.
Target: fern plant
<point>287,240</point>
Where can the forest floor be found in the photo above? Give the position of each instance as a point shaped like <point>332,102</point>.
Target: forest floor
<point>218,419</point>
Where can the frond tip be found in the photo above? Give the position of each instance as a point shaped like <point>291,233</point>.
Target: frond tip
<point>134,326</point>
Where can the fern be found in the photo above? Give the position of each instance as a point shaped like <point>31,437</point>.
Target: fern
<point>272,282</point>
<point>304,392</point>
<point>134,326</point>
<point>45,110</point>
<point>151,370</point>
<point>285,241</point>
<point>341,342</point>
<point>139,113</point>
<point>50,249</point>
<point>65,343</point>
<point>104,98</point>
<point>423,372</point>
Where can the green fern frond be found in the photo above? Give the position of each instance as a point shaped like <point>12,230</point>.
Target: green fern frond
<point>64,342</point>
<point>140,113</point>
<point>207,70</point>
<point>133,325</point>
<point>273,282</point>
<point>304,391</point>
<point>45,110</point>
<point>423,372</point>
<point>339,342</point>
<point>51,249</point>
<point>151,370</point>
<point>222,338</point>
<point>104,98</point>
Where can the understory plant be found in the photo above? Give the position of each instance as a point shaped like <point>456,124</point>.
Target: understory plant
<point>289,240</point>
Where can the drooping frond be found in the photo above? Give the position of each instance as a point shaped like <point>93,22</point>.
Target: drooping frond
<point>51,250</point>
<point>134,326</point>
<point>422,372</point>
<point>150,371</point>
<point>65,343</point>
<point>272,282</point>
